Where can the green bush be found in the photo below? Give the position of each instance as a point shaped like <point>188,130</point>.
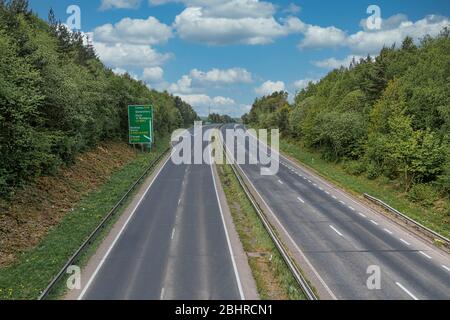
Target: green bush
<point>355,168</point>
<point>424,194</point>
<point>372,171</point>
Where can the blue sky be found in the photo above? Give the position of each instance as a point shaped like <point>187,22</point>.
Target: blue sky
<point>224,53</point>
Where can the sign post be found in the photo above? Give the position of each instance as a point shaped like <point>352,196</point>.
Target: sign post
<point>140,125</point>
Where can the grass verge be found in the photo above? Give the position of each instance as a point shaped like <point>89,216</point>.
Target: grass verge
<point>35,268</point>
<point>437,220</point>
<point>273,278</point>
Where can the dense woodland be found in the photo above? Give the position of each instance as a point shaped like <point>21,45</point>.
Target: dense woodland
<point>217,118</point>
<point>387,116</point>
<point>57,99</point>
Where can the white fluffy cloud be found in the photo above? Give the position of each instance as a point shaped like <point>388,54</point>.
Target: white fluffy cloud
<point>154,74</point>
<point>184,85</point>
<point>234,9</point>
<point>303,83</point>
<point>218,76</point>
<point>318,37</point>
<point>197,79</point>
<point>292,8</point>
<point>270,87</point>
<point>394,30</point>
<point>203,100</point>
<point>203,104</point>
<point>121,72</point>
<point>197,24</point>
<point>333,63</point>
<point>134,31</point>
<point>373,41</point>
<point>126,55</point>
<point>119,4</point>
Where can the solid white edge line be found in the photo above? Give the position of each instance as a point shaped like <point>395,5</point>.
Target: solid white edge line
<point>425,255</point>
<point>286,232</point>
<point>91,279</point>
<point>336,230</point>
<point>406,290</point>
<point>238,279</point>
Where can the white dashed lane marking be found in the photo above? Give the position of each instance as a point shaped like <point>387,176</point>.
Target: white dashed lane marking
<point>425,255</point>
<point>405,242</point>
<point>406,290</point>
<point>335,230</point>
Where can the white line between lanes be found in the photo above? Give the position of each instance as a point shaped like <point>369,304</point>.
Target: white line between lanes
<point>405,242</point>
<point>387,230</point>
<point>236,273</point>
<point>374,222</point>
<point>425,255</point>
<point>161,297</point>
<point>406,290</point>
<point>288,235</point>
<point>281,182</point>
<point>446,268</point>
<point>300,199</point>
<point>335,230</point>
<point>362,214</point>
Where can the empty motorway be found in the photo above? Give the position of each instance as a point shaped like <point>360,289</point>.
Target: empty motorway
<point>339,240</point>
<point>174,244</point>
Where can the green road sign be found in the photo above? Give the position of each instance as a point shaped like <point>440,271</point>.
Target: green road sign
<point>140,124</point>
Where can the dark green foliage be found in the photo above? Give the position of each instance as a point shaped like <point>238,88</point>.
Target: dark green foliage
<point>424,194</point>
<point>388,116</point>
<point>217,118</point>
<point>57,99</point>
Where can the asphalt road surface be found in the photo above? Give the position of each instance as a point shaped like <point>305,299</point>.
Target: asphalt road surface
<point>343,239</point>
<point>174,246</point>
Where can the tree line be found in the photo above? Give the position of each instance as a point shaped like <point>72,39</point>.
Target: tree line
<point>57,99</point>
<point>384,116</point>
<point>217,118</point>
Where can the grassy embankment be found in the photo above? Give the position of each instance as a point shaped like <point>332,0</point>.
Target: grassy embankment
<point>63,210</point>
<point>436,217</point>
